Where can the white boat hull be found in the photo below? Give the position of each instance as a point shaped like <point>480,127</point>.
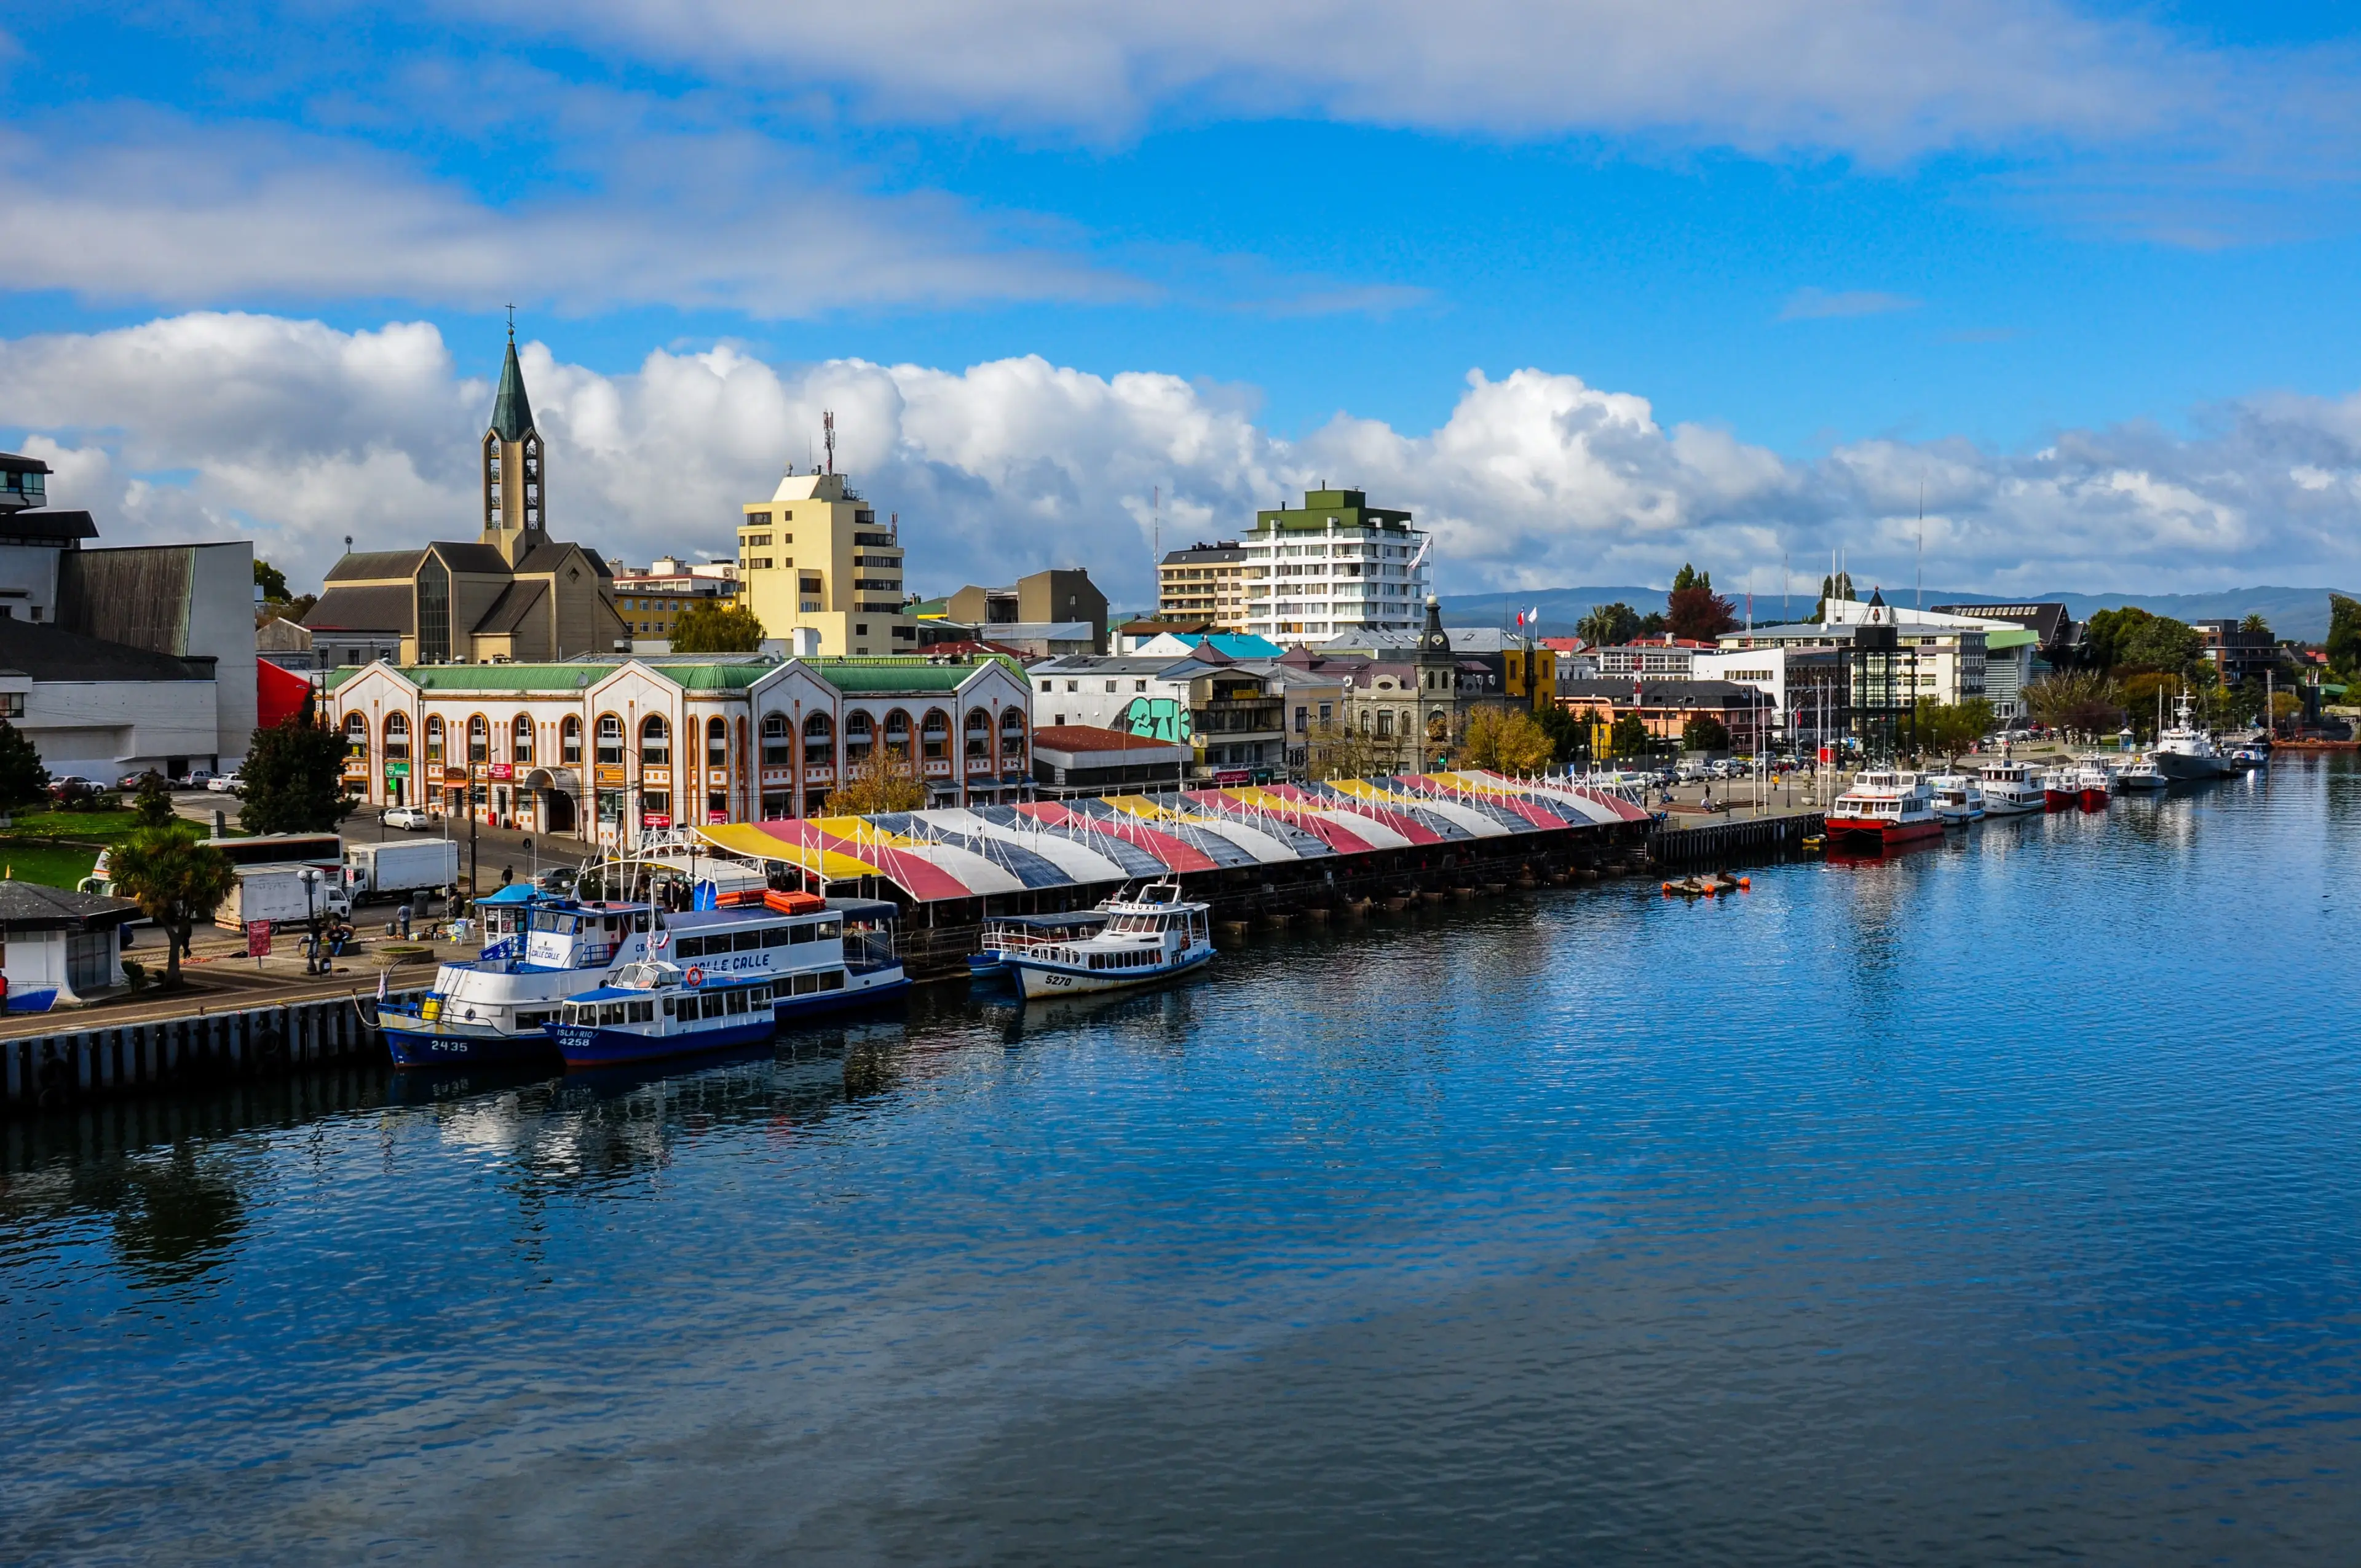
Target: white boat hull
<point>1038,978</point>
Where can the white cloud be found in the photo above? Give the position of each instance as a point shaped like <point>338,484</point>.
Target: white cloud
<point>207,424</point>
<point>1882,79</point>
<point>154,208</point>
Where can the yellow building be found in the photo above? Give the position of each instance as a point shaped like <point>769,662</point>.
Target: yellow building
<point>1205,582</point>
<point>814,557</point>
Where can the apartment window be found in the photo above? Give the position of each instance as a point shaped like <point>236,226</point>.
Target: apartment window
<point>1072,685</point>
<point>1139,685</point>
<point>861,628</point>
<point>569,742</point>
<point>1303,720</point>
<point>1110,685</point>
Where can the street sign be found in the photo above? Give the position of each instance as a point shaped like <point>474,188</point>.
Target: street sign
<point>397,769</point>
<point>501,771</point>
<point>654,819</point>
<point>258,938</point>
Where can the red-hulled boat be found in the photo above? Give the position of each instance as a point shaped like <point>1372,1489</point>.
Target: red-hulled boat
<point>2058,791</point>
<point>1884,808</point>
<point>2092,786</point>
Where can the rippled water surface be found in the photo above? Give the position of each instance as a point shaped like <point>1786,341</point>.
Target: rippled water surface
<point>1995,1203</point>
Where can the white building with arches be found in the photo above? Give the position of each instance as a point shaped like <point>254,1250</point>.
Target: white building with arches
<point>604,749</point>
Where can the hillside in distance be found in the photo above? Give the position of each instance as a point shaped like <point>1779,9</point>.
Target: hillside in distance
<point>2300,613</point>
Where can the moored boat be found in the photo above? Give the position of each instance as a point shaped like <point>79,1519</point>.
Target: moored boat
<point>2185,751</point>
<point>2058,789</point>
<point>2138,776</point>
<point>2010,789</point>
<point>1957,800</point>
<point>1148,937</point>
<point>1004,934</point>
<point>1886,807</point>
<point>492,1010</point>
<point>2092,788</point>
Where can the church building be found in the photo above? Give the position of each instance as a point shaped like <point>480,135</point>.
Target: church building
<point>514,595</point>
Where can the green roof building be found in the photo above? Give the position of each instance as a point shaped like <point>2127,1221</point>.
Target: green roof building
<point>1336,566</point>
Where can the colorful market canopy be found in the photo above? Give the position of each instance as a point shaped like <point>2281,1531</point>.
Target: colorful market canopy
<point>953,853</point>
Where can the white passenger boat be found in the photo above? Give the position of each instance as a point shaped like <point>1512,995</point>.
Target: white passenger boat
<point>2139,775</point>
<point>1957,800</point>
<point>2011,789</point>
<point>491,1010</point>
<point>1149,937</point>
<point>1888,807</point>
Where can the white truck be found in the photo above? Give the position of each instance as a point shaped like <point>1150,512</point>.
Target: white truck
<point>277,894</point>
<point>398,868</point>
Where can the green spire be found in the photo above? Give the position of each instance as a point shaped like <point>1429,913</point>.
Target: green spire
<point>512,415</point>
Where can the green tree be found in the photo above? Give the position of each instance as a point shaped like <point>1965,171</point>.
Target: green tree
<point>153,806</point>
<point>1652,624</point>
<point>1608,625</point>
<point>1630,738</point>
<point>293,777</point>
<point>1694,610</point>
<point>1566,733</point>
<point>2343,644</point>
<point>2134,638</point>
<point>1951,727</point>
<point>176,878</point>
<point>1705,733</point>
<point>2255,623</point>
<point>271,580</point>
<point>1689,577</point>
<point>23,780</point>
<point>1838,587</point>
<point>707,627</point>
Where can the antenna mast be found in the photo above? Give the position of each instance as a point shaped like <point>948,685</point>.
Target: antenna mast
<point>828,437</point>
<point>1156,544</point>
<point>1919,590</point>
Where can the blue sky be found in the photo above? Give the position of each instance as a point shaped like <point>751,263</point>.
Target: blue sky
<point>1856,240</point>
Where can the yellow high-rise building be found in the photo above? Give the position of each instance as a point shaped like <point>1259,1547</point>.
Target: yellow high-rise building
<point>813,556</point>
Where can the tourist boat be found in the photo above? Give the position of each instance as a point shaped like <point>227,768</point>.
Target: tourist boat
<point>2139,775</point>
<point>2010,789</point>
<point>716,990</point>
<point>1889,808</point>
<point>1148,937</point>
<point>492,1010</point>
<point>2092,787</point>
<point>1957,800</point>
<point>1004,934</point>
<point>2185,751</point>
<point>2058,790</point>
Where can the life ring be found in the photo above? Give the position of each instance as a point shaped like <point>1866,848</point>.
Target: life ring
<point>696,976</point>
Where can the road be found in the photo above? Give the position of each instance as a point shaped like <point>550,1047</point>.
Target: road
<point>495,850</point>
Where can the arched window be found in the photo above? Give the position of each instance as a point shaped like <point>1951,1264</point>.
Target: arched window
<point>1012,738</point>
<point>897,734</point>
<point>978,735</point>
<point>397,737</point>
<point>819,735</point>
<point>778,746</point>
<point>355,735</point>
<point>521,738</point>
<point>569,742</point>
<point>435,739</point>
<point>655,740</point>
<point>860,733</point>
<point>1385,724</point>
<point>611,741</point>
<point>717,742</point>
<point>935,735</point>
<point>480,739</point>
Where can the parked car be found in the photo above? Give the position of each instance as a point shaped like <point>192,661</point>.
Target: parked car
<point>196,778</point>
<point>223,784</point>
<point>132,781</point>
<point>407,818</point>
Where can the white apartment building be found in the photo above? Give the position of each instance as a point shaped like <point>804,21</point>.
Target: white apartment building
<point>1336,566</point>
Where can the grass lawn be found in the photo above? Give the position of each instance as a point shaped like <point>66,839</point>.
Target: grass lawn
<point>97,826</point>
<point>52,864</point>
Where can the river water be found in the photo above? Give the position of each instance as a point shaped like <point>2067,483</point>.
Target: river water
<point>1996,1202</point>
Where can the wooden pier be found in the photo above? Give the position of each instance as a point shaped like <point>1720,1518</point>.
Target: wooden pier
<point>1675,844</point>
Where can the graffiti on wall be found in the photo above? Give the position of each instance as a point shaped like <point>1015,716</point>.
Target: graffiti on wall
<point>1156,719</point>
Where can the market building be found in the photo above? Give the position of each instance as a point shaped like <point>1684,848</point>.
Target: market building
<point>607,748</point>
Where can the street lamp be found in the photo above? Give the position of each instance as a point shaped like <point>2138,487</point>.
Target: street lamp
<point>311,879</point>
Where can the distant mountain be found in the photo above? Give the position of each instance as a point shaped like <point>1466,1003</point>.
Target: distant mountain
<point>2293,612</point>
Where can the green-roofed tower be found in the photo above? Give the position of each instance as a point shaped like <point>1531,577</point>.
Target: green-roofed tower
<point>514,523</point>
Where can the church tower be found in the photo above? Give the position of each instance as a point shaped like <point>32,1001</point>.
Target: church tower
<point>514,521</point>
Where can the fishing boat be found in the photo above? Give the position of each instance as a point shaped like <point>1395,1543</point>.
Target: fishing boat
<point>2010,789</point>
<point>1148,937</point>
<point>1004,934</point>
<point>2092,787</point>
<point>2185,751</point>
<point>2139,775</point>
<point>492,1010</point>
<point>2058,789</point>
<point>1957,800</point>
<point>717,989</point>
<point>1884,807</point>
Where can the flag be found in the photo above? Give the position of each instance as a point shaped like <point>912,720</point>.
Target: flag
<point>380,984</point>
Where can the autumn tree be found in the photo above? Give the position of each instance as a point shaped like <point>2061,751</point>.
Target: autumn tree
<point>1506,740</point>
<point>880,782</point>
<point>1694,611</point>
<point>2083,700</point>
<point>707,627</point>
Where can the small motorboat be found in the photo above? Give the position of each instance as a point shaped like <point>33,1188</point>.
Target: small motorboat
<point>1148,937</point>
<point>1959,799</point>
<point>2140,775</point>
<point>1004,934</point>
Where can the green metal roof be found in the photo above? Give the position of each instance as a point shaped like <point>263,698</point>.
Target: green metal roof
<point>503,677</point>
<point>2015,637</point>
<point>870,676</point>
<point>339,675</point>
<point>713,677</point>
<point>1349,509</point>
<point>853,675</point>
<point>512,415</point>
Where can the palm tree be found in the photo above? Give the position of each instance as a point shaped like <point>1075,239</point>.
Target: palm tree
<point>174,877</point>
